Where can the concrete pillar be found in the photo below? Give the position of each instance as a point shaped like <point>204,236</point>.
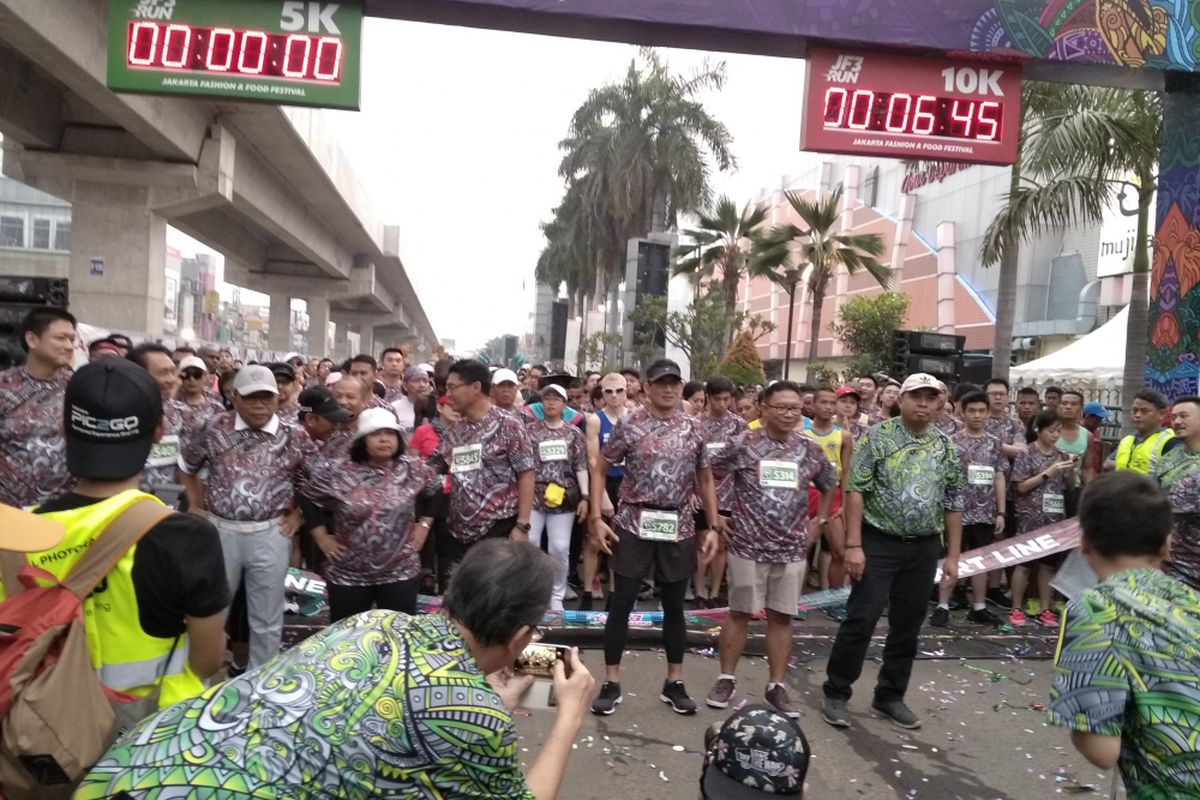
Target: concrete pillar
<point>318,326</point>
<point>366,339</point>
<point>279,332</point>
<point>945,277</point>
<point>850,196</point>
<point>1173,344</point>
<point>118,258</point>
<point>908,208</point>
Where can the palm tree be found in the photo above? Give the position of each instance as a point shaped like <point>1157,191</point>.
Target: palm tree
<point>721,245</point>
<point>819,246</point>
<point>641,151</point>
<point>1087,147</point>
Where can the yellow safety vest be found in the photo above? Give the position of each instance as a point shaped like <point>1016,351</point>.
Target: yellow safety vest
<point>1143,456</point>
<point>126,658</point>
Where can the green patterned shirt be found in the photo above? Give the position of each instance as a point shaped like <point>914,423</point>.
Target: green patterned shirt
<point>379,705</point>
<point>908,482</point>
<point>1128,665</point>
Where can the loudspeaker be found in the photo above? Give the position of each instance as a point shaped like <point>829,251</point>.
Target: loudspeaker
<point>938,354</point>
<point>18,296</point>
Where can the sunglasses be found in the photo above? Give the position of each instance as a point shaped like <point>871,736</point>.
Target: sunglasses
<point>614,391</point>
<point>192,375</point>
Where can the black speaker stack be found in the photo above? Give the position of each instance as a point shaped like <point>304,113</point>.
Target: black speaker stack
<point>19,296</point>
<point>938,354</point>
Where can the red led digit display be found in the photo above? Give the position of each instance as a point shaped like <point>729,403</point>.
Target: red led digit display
<point>923,115</point>
<point>904,106</point>
<point>230,51</point>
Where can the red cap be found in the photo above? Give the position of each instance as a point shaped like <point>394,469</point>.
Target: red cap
<point>842,391</point>
<point>444,400</point>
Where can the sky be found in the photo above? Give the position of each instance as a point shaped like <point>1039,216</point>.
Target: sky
<point>457,143</point>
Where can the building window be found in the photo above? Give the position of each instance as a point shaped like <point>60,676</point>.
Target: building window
<point>41,234</point>
<point>62,235</point>
<point>12,232</point>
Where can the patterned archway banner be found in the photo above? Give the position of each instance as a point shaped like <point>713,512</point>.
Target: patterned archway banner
<point>1157,34</point>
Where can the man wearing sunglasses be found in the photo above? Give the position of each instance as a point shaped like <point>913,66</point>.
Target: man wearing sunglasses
<point>198,403</point>
<point>599,427</point>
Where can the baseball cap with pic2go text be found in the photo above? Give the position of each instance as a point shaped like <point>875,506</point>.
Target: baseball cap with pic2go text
<point>111,412</point>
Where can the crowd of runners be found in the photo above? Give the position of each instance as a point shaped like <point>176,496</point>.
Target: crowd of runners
<point>385,475</point>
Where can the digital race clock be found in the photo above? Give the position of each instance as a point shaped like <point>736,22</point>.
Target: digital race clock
<point>912,107</point>
<point>289,53</point>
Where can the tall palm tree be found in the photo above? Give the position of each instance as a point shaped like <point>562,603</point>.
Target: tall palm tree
<point>818,245</point>
<point>641,151</point>
<point>1087,147</point>
<point>720,246</point>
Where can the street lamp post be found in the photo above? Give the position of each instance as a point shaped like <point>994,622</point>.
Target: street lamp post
<point>791,277</point>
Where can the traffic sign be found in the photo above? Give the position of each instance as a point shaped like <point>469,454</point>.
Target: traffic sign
<point>300,53</point>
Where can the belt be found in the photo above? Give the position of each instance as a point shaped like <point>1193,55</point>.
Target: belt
<point>903,538</point>
<point>246,526</point>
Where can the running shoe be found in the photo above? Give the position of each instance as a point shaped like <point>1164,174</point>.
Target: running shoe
<point>674,695</point>
<point>1017,618</point>
<point>1047,618</point>
<point>608,699</point>
<point>722,691</point>
<point>940,617</point>
<point>776,697</point>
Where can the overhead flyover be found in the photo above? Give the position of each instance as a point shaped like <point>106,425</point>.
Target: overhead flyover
<point>267,186</point>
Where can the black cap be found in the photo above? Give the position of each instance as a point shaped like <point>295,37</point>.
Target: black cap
<point>663,368</point>
<point>320,401</point>
<point>111,410</point>
<point>755,752</point>
<point>282,370</point>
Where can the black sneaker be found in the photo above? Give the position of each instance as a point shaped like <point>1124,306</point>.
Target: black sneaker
<point>674,695</point>
<point>585,601</point>
<point>983,616</point>
<point>835,713</point>
<point>608,699</point>
<point>897,712</point>
<point>940,617</point>
<point>997,597</point>
<point>646,592</point>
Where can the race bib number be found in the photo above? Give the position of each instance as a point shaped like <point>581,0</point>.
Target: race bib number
<point>164,452</point>
<point>553,450</point>
<point>1053,504</point>
<point>778,475</point>
<point>658,526</point>
<point>714,447</point>
<point>468,458</point>
<point>979,475</point>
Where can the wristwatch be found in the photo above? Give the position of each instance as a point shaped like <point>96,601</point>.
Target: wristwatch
<point>522,526</point>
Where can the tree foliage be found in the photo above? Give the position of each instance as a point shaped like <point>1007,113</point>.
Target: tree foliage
<point>817,246</point>
<point>592,349</point>
<point>698,330</point>
<point>742,364</point>
<point>865,325</point>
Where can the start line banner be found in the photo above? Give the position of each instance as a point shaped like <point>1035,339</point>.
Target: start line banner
<point>1050,540</point>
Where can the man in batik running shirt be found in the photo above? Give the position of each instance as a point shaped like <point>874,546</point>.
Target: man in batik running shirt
<point>33,452</point>
<point>665,464</point>
<point>984,496</point>
<point>720,426</point>
<point>1000,423</point>
<point>771,469</point>
<point>1178,473</point>
<point>904,499</point>
<point>1127,668</point>
<point>490,460</point>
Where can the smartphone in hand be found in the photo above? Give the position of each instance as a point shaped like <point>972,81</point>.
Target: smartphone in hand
<point>538,660</point>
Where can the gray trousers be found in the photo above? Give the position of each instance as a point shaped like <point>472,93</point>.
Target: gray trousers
<point>257,553</point>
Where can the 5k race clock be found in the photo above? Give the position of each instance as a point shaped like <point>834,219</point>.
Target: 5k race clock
<point>915,107</point>
<point>294,52</point>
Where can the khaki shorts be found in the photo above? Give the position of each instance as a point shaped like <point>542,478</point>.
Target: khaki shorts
<point>755,585</point>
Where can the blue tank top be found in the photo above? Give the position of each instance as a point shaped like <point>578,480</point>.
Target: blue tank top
<point>606,427</point>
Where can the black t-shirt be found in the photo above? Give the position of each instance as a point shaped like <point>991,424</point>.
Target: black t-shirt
<point>178,569</point>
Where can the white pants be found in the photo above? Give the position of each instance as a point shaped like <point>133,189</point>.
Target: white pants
<point>557,528</point>
<point>258,553</point>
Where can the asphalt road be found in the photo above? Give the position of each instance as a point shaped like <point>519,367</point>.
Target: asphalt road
<point>976,691</point>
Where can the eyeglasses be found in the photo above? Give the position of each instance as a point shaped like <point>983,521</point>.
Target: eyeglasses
<point>450,387</point>
<point>787,411</point>
<point>614,391</point>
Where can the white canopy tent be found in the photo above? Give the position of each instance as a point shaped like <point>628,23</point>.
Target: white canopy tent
<point>1096,358</point>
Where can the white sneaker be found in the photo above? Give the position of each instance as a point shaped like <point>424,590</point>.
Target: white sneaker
<point>570,594</point>
<point>689,596</point>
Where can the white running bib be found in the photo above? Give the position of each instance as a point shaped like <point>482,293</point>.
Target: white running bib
<point>658,526</point>
<point>468,458</point>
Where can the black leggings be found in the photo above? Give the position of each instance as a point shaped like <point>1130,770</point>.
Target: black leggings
<point>346,601</point>
<point>616,628</point>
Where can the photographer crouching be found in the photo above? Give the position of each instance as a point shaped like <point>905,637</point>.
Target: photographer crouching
<point>381,704</point>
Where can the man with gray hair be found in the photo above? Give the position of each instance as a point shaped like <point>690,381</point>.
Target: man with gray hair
<point>432,718</point>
